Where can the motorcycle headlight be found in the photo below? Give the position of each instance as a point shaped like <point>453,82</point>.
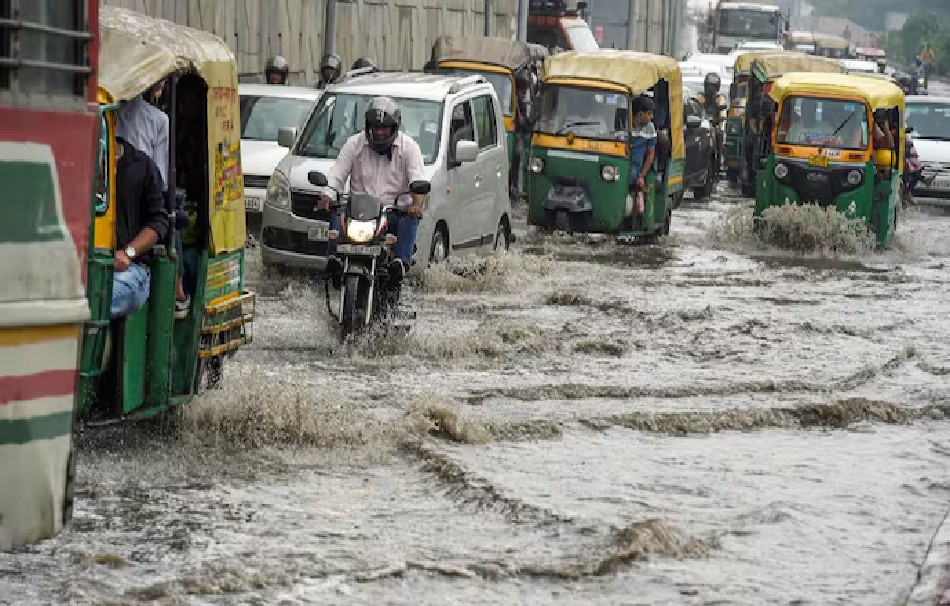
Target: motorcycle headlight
<point>609,173</point>
<point>855,177</point>
<point>781,171</point>
<point>278,191</point>
<point>360,231</point>
<point>535,165</point>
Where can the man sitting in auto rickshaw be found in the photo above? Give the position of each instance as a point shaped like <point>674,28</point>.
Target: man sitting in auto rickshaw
<point>643,138</point>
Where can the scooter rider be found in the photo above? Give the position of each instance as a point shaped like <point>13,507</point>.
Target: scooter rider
<point>330,67</point>
<point>381,162</point>
<point>277,70</point>
<point>713,101</point>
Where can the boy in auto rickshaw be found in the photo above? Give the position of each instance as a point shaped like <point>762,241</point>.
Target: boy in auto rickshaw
<point>146,360</point>
<point>582,161</point>
<point>836,141</point>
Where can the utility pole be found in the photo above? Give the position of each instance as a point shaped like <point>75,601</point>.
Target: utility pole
<point>632,25</point>
<point>329,27</point>
<point>489,18</point>
<point>523,20</point>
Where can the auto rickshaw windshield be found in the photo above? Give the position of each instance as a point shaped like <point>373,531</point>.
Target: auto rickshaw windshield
<point>586,112</point>
<point>832,123</point>
<point>501,82</point>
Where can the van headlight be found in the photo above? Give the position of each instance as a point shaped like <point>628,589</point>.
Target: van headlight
<point>278,191</point>
<point>535,165</point>
<point>360,231</point>
<point>781,171</point>
<point>609,173</point>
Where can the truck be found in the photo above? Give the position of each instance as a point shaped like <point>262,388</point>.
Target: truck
<point>559,26</point>
<point>733,23</point>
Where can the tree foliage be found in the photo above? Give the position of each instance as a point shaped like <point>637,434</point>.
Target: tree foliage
<point>870,14</point>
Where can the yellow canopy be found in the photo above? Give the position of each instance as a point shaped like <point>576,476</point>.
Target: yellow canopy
<point>634,71</point>
<point>771,66</point>
<point>136,52</point>
<point>799,37</point>
<point>878,93</point>
<point>830,41</point>
<point>744,61</point>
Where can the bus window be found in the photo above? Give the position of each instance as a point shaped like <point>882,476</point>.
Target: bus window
<point>45,56</point>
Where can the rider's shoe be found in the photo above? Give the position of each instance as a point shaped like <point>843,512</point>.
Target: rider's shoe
<point>396,271</point>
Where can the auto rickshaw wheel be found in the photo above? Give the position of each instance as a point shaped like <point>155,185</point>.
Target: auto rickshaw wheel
<point>733,176</point>
<point>665,228</point>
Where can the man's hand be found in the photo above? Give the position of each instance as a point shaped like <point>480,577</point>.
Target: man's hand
<point>641,184</point>
<point>414,211</point>
<point>122,260</point>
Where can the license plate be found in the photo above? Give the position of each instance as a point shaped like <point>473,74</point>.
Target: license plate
<point>818,160</point>
<point>318,233</point>
<point>254,203</point>
<point>359,249</point>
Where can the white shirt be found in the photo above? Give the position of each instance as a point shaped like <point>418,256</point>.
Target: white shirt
<point>145,127</point>
<point>375,174</point>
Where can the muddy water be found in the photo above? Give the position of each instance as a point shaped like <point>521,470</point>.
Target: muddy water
<point>703,421</point>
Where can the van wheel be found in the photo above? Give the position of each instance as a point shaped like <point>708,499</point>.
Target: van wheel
<point>503,236</point>
<point>440,246</point>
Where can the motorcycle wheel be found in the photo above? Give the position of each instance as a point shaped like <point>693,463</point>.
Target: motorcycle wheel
<point>351,293</point>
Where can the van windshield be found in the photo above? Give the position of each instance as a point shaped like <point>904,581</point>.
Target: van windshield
<point>262,116</point>
<point>340,116</point>
<point>586,112</point>
<point>930,120</point>
<point>823,122</point>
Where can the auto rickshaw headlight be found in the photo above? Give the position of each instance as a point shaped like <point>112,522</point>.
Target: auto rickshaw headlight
<point>609,173</point>
<point>360,231</point>
<point>781,171</point>
<point>855,177</point>
<point>278,191</point>
<point>535,165</point>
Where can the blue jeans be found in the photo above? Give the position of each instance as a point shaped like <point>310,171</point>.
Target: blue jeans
<point>129,290</point>
<point>405,227</point>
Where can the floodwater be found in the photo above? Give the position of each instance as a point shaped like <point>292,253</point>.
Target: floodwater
<point>696,422</point>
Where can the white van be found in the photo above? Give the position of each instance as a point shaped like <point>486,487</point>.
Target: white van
<point>459,126</point>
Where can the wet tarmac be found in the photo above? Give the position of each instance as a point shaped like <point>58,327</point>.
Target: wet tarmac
<point>702,421</point>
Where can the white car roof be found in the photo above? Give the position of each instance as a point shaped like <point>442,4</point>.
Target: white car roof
<point>279,90</point>
<point>403,85</point>
<point>710,59</point>
<point>929,99</point>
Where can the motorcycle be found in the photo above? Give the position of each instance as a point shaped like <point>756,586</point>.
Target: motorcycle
<point>365,250</point>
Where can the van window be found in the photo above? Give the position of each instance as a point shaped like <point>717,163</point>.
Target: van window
<point>262,116</point>
<point>462,127</point>
<point>486,122</point>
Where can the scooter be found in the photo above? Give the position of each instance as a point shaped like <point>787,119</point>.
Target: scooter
<point>367,246</point>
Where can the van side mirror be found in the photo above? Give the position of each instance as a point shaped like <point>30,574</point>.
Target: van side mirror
<point>466,151</point>
<point>420,188</point>
<point>286,136</point>
<point>693,122</point>
<point>317,178</point>
<point>909,129</point>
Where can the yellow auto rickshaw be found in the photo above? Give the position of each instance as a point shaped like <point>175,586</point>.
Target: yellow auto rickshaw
<point>836,141</point>
<point>154,359</point>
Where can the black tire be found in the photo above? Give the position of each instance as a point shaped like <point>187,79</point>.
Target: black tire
<point>439,251</point>
<point>350,295</point>
<point>665,228</point>
<point>503,234</point>
<point>70,490</point>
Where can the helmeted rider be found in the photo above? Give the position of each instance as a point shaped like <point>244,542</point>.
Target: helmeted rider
<point>363,62</point>
<point>382,162</point>
<point>277,70</point>
<point>712,101</point>
<point>522,126</point>
<point>330,68</point>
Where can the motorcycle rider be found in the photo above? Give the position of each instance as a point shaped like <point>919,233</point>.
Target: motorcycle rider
<point>381,162</point>
<point>330,67</point>
<point>522,127</point>
<point>712,100</point>
<point>277,70</point>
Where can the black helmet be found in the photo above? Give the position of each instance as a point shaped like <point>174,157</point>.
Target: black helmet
<point>382,111</point>
<point>277,65</point>
<point>330,63</point>
<point>363,62</point>
<point>711,83</point>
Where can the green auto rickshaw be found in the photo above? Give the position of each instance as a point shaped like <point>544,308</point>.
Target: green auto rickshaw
<point>738,95</point>
<point>763,70</point>
<point>500,61</point>
<point>823,149</point>
<point>579,165</point>
<point>150,361</point>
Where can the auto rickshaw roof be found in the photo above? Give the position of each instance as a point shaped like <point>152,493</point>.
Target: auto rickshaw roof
<point>744,61</point>
<point>800,37</point>
<point>137,51</point>
<point>774,65</point>
<point>880,94</point>
<point>504,52</point>
<point>634,70</point>
<point>831,41</point>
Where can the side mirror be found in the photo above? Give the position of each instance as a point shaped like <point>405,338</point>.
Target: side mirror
<point>909,129</point>
<point>317,178</point>
<point>421,188</point>
<point>693,122</point>
<point>286,136</point>
<point>466,151</point>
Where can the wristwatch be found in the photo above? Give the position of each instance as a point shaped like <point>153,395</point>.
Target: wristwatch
<point>130,252</point>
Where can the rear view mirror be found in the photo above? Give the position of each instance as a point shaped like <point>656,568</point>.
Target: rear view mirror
<point>421,188</point>
<point>317,178</point>
<point>286,136</point>
<point>466,151</point>
<point>909,129</point>
<point>693,122</point>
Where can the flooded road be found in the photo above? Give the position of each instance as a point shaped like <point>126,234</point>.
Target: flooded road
<point>698,422</point>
